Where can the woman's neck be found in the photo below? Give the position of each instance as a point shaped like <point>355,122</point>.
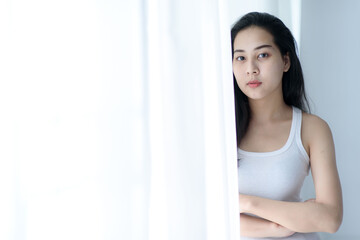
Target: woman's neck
<point>265,110</point>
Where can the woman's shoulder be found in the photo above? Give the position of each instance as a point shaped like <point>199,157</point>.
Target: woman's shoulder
<point>313,122</point>
<point>314,129</point>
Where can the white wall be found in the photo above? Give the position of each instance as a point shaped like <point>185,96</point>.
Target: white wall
<point>330,52</point>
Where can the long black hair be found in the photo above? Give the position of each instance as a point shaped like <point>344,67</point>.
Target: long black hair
<point>292,82</point>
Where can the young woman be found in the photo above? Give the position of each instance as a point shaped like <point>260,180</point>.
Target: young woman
<point>278,141</point>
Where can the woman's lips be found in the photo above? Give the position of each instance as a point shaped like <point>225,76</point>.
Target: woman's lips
<point>254,83</point>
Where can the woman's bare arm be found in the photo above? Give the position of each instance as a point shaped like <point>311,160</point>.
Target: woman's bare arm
<point>324,213</point>
<point>260,228</point>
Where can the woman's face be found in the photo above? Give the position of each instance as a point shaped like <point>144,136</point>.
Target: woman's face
<point>258,65</point>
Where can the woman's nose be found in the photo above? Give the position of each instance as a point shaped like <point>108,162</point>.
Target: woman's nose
<point>252,68</point>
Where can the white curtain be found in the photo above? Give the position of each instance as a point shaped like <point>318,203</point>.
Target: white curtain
<point>116,120</point>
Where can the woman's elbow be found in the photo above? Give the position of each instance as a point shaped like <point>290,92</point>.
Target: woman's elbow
<point>334,227</point>
<point>334,222</point>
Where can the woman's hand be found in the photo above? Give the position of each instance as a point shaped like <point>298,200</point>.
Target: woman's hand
<point>274,229</point>
<point>254,227</point>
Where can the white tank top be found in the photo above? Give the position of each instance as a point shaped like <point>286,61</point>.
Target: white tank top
<point>279,174</point>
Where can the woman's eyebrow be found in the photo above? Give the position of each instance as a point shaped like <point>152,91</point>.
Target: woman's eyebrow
<point>257,48</point>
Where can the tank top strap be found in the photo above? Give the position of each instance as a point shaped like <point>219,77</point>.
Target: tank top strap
<point>297,115</point>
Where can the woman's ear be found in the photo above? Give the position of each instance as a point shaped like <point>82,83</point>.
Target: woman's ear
<point>287,62</point>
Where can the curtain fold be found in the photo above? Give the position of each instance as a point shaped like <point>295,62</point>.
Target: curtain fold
<point>192,123</point>
<point>117,120</point>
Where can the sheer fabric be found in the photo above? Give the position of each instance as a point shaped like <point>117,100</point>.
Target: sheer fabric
<point>116,120</point>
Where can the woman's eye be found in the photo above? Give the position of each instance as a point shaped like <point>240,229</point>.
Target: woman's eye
<point>240,58</point>
<point>263,55</point>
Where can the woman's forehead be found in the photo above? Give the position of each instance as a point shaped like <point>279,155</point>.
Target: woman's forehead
<point>250,38</point>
